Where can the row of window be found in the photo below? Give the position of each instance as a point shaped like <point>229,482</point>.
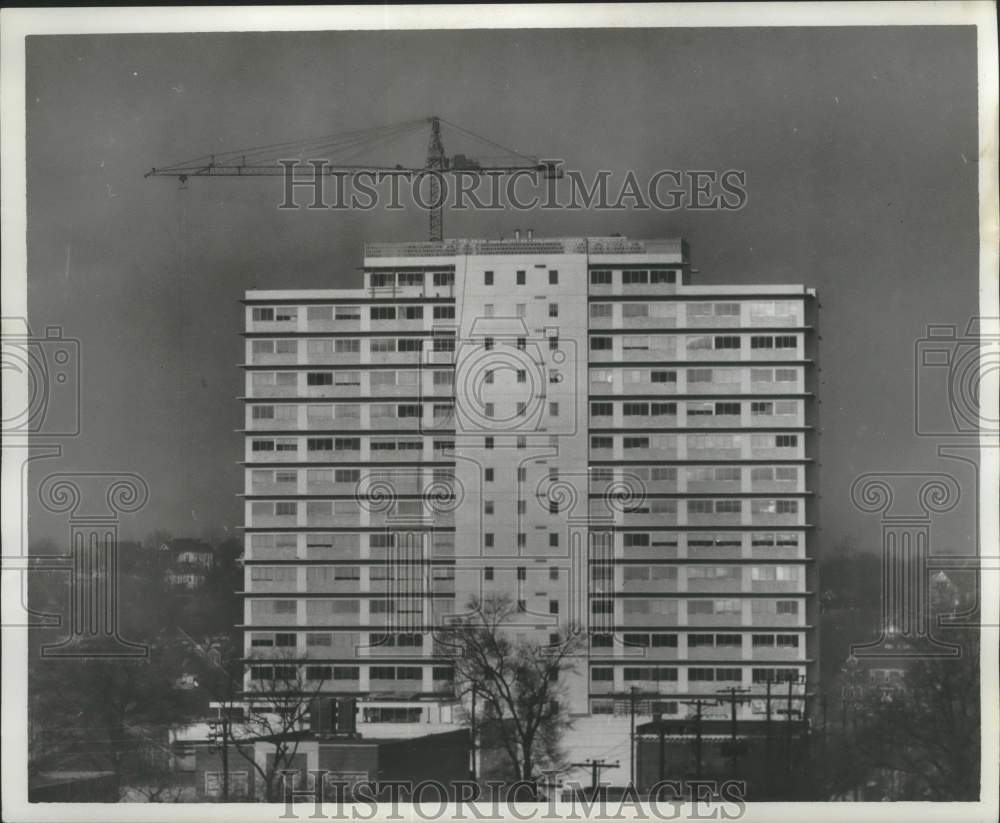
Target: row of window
<point>644,342</point>
<point>634,277</point>
<point>730,312</point>
<point>707,540</point>
<point>695,375</point>
<point>326,477</point>
<point>319,672</point>
<point>695,608</point>
<point>693,408</point>
<point>635,573</point>
<point>606,674</point>
<point>325,509</point>
<point>384,279</point>
<point>348,541</point>
<point>520,278</point>
<point>695,474</point>
<point>643,442</point>
<point>350,444</point>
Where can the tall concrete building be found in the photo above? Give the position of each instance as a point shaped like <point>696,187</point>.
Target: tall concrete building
<point>572,422</point>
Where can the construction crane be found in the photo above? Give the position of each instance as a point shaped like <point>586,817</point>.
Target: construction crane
<point>340,155</point>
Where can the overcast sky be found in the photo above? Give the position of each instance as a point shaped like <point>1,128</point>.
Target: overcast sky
<point>859,145</point>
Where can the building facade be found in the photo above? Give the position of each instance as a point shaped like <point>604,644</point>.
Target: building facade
<point>572,423</point>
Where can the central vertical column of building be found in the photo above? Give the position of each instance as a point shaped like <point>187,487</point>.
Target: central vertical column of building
<point>521,440</point>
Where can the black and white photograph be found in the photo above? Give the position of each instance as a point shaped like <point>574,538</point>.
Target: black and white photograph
<point>494,412</point>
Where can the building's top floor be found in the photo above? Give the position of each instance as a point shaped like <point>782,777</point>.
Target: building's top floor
<point>663,250</point>
<point>617,266</point>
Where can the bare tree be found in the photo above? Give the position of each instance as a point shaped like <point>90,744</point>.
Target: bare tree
<point>270,713</point>
<point>519,685</point>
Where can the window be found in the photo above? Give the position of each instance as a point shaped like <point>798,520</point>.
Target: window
<point>347,312</point>
<point>785,341</point>
<point>520,278</point>
<point>410,344</point>
<point>554,343</point>
<point>488,442</point>
<point>601,674</point>
<point>321,378</point>
<point>262,315</point>
<point>488,475</point>
<point>489,410</point>
<point>488,573</point>
<point>444,312</point>
<point>761,342</point>
<point>657,376</point>
<point>488,344</point>
<point>600,344</point>
<point>553,277</point>
<point>600,310</point>
<point>662,276</point>
<point>553,573</point>
<point>488,278</point>
<point>602,409</point>
<point>553,607</point>
<point>382,313</point>
<point>600,277</point>
<point>444,278</point>
<point>488,540</point>
<point>786,441</point>
<point>553,409</point>
<point>635,277</point>
<point>522,343</point>
<point>726,342</point>
<point>787,607</point>
<point>728,409</point>
<point>602,442</point>
<point>521,309</point>
<point>633,310</point>
<point>553,309</point>
<point>488,507</point>
<point>554,542</point>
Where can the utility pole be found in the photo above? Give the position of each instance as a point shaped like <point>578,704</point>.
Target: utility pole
<point>697,739</point>
<point>219,735</point>
<point>734,752</point>
<point>663,750</point>
<point>633,692</point>
<point>474,768</point>
<point>595,766</point>
<point>788,729</point>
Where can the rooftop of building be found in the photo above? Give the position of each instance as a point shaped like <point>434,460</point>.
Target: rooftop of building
<point>518,244</point>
